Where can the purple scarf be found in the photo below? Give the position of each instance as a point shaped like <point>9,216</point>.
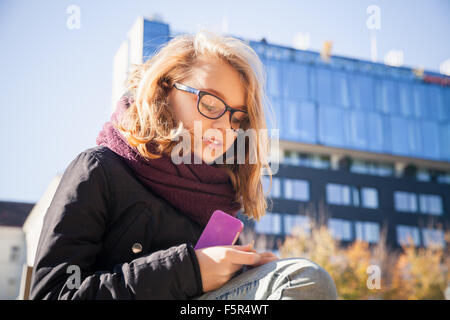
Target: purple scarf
<point>195,190</point>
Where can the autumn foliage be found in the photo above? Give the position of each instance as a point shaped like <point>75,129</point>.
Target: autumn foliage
<point>363,271</point>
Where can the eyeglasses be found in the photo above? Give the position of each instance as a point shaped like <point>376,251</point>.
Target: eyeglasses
<point>213,107</point>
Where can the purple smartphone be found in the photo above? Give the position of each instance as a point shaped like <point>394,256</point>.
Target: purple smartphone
<point>222,230</point>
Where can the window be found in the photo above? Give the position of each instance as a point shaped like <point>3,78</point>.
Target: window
<point>405,201</point>
<point>431,204</point>
<point>331,130</point>
<point>405,99</point>
<point>444,141</point>
<point>342,194</point>
<point>341,88</point>
<point>296,79</point>
<point>291,221</point>
<point>367,231</point>
<point>443,178</point>
<point>423,175</point>
<point>270,223</point>
<point>324,85</point>
<point>367,167</point>
<point>301,120</point>
<point>430,136</point>
<point>400,135</point>
<point>369,198</point>
<point>404,233</point>
<point>386,96</point>
<point>275,191</point>
<point>273,77</point>
<point>355,128</point>
<point>362,92</point>
<point>433,237</point>
<point>296,189</point>
<point>378,132</point>
<point>14,254</point>
<point>340,229</point>
<point>320,161</point>
<point>338,194</point>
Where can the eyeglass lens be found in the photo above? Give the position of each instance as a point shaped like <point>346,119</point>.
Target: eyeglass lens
<point>212,107</point>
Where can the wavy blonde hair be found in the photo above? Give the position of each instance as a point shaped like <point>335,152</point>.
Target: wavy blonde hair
<point>149,117</point>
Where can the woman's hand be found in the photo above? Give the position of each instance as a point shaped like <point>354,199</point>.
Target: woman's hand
<point>218,264</point>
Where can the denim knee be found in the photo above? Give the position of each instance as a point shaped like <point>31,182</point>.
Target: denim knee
<point>312,280</point>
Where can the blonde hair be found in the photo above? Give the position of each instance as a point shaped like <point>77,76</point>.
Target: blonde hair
<point>149,117</point>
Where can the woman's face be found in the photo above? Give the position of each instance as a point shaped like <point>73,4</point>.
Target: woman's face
<point>221,79</point>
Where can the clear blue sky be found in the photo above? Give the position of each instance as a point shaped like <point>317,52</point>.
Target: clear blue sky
<point>56,83</point>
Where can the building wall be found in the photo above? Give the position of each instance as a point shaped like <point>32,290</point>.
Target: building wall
<point>298,191</point>
<point>12,258</point>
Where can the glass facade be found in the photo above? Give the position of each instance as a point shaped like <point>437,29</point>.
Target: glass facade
<point>356,104</point>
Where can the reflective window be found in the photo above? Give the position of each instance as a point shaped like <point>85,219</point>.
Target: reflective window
<point>415,138</point>
<point>342,195</point>
<point>419,101</point>
<point>296,189</point>
<point>296,81</point>
<point>275,191</point>
<point>400,141</point>
<point>369,167</point>
<point>433,237</point>
<point>362,92</point>
<point>270,223</point>
<point>341,89</point>
<point>378,134</point>
<point>405,201</point>
<point>444,135</point>
<point>369,197</point>
<point>430,136</point>
<point>324,86</point>
<point>431,204</point>
<point>405,99</point>
<point>386,96</point>
<point>340,229</point>
<point>276,122</point>
<point>444,110</point>
<point>301,120</point>
<point>331,130</point>
<point>436,103</point>
<point>367,231</point>
<point>274,81</point>
<point>355,126</point>
<point>404,233</point>
<point>292,221</point>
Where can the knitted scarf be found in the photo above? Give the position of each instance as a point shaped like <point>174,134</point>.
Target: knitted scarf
<point>195,190</point>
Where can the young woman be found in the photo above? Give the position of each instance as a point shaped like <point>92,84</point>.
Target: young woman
<point>126,214</point>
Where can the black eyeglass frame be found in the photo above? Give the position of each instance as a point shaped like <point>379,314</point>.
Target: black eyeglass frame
<point>200,94</point>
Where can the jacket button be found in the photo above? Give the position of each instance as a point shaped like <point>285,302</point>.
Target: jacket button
<point>136,248</point>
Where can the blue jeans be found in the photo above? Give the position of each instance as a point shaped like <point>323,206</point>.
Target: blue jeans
<point>284,279</point>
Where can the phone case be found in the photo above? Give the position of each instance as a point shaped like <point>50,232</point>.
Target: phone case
<point>222,230</point>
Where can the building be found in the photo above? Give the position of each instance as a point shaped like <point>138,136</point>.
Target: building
<point>364,147</point>
<point>12,247</point>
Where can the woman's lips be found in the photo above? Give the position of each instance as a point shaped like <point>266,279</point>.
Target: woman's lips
<point>213,143</point>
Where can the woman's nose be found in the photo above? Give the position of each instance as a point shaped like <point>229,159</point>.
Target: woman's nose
<point>223,122</point>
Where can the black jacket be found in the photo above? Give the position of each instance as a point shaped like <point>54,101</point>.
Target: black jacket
<point>127,242</point>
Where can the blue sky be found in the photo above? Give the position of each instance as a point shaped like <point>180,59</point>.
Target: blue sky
<point>56,83</point>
